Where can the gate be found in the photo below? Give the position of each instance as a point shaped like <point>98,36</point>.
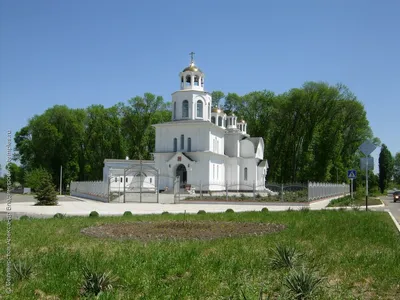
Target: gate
<point>142,183</point>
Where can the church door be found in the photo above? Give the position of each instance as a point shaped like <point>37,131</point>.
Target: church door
<point>181,172</point>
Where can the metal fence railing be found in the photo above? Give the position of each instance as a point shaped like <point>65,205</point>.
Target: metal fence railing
<point>95,190</point>
<point>318,191</point>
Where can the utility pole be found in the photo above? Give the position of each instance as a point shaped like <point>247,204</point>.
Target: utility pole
<point>61,180</point>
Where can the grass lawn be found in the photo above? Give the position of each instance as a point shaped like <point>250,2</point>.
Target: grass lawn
<point>356,252</point>
<point>358,200</point>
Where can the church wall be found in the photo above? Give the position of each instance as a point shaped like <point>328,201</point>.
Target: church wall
<point>216,140</point>
<point>165,138</point>
<point>231,145</point>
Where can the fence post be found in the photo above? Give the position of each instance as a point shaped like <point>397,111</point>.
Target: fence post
<point>140,182</point>
<point>254,191</point>
<point>226,190</point>
<point>158,186</point>
<point>124,183</point>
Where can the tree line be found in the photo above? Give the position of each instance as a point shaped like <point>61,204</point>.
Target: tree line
<point>311,133</point>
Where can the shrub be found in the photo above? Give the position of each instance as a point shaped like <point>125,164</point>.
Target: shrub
<point>305,209</point>
<point>165,213</point>
<point>229,210</point>
<point>283,257</point>
<point>264,209</point>
<point>93,214</point>
<point>95,283</point>
<point>201,212</point>
<point>302,284</point>
<point>59,216</point>
<point>22,270</point>
<point>258,196</point>
<point>24,217</point>
<point>46,193</point>
<point>127,214</point>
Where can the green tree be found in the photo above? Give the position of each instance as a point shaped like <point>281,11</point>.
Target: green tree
<point>396,168</point>
<point>385,168</point>
<point>136,121</point>
<point>217,96</point>
<point>33,178</point>
<point>46,193</point>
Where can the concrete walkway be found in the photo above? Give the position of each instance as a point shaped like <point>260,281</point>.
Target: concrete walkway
<point>73,206</point>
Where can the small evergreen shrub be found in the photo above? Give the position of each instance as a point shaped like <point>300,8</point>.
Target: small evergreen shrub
<point>59,216</point>
<point>165,213</point>
<point>229,210</point>
<point>201,212</point>
<point>284,257</point>
<point>302,284</point>
<point>46,193</point>
<point>127,214</point>
<point>264,209</point>
<point>96,283</point>
<point>93,214</point>
<point>24,217</point>
<point>22,270</point>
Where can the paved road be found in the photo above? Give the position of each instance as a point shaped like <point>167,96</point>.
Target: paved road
<point>393,207</point>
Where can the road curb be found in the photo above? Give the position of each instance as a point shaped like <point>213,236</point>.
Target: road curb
<point>394,219</point>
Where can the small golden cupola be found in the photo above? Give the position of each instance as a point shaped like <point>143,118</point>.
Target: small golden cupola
<point>191,77</point>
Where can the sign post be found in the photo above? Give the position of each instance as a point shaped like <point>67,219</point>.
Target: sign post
<point>352,174</point>
<point>367,148</point>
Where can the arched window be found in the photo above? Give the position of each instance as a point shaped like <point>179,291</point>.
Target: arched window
<point>196,80</point>
<point>185,109</point>
<point>182,142</point>
<point>188,80</point>
<point>230,121</point>
<point>245,174</point>
<point>202,81</point>
<point>199,108</point>
<point>219,121</point>
<point>213,119</point>
<point>189,146</point>
<point>175,145</point>
<point>174,110</point>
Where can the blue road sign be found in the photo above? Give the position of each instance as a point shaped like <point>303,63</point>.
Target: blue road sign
<point>352,174</point>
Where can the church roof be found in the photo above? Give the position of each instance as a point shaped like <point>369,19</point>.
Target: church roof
<point>263,163</point>
<point>193,68</point>
<point>184,154</point>
<point>255,141</point>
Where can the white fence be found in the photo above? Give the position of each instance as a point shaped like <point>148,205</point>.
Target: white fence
<point>318,191</point>
<point>95,190</point>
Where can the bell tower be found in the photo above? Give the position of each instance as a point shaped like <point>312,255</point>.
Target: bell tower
<point>192,78</point>
<point>191,102</point>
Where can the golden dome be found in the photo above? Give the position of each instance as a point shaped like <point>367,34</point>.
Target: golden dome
<point>192,68</point>
<point>216,110</point>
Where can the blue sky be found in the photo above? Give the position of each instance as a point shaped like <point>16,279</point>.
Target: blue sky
<point>80,53</point>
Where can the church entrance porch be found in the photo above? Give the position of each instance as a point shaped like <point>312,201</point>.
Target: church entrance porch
<point>182,173</point>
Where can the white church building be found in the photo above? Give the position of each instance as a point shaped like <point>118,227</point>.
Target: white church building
<point>202,144</point>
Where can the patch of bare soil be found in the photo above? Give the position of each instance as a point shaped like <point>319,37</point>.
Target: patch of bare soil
<point>180,230</point>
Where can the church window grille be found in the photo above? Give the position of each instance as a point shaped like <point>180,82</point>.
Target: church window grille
<point>175,144</point>
<point>219,121</point>
<point>116,179</point>
<point>213,119</point>
<point>245,174</point>
<point>189,145</point>
<point>230,121</point>
<point>185,109</point>
<point>174,110</point>
<point>182,142</point>
<point>199,109</point>
<point>196,80</point>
